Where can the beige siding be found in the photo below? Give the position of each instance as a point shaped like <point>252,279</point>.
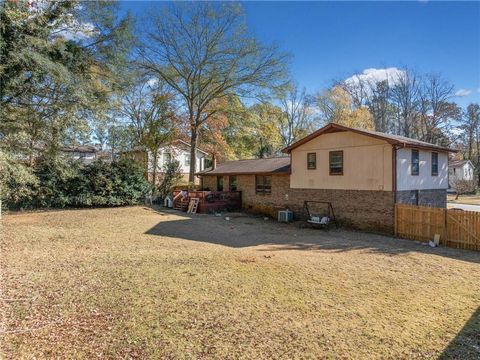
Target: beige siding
<point>367,163</point>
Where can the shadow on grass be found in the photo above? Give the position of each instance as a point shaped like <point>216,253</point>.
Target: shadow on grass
<point>466,345</point>
<point>243,230</point>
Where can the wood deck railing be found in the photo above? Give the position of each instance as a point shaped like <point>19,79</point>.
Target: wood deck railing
<point>209,200</point>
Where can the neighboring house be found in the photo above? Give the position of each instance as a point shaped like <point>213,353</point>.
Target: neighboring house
<point>460,170</point>
<point>362,173</point>
<point>178,150</point>
<point>84,153</point>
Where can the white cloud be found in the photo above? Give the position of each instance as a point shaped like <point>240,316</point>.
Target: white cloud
<point>372,75</point>
<point>152,82</point>
<point>463,92</point>
<point>478,90</point>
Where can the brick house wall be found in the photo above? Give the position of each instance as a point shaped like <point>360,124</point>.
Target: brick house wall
<point>359,209</point>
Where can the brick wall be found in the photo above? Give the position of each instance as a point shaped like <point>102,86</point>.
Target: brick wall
<point>360,209</point>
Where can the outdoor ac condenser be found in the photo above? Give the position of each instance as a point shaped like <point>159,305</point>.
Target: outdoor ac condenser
<point>285,216</point>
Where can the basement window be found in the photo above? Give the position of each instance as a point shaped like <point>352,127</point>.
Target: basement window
<point>311,161</point>
<point>434,164</point>
<point>415,162</point>
<point>336,162</point>
<point>263,184</point>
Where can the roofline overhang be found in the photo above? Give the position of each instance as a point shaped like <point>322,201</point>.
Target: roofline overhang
<point>186,143</point>
<point>339,128</point>
<point>243,173</point>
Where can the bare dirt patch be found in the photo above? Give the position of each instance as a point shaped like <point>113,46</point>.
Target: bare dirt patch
<point>138,283</point>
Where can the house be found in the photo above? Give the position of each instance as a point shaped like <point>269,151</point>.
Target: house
<point>362,173</point>
<point>85,153</point>
<point>460,170</point>
<point>178,150</point>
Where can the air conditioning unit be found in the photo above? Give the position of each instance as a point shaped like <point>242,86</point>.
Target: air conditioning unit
<point>285,216</point>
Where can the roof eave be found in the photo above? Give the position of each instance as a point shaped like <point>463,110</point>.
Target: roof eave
<point>330,126</point>
<point>245,173</point>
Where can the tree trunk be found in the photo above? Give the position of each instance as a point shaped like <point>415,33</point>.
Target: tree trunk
<point>154,166</point>
<point>193,150</point>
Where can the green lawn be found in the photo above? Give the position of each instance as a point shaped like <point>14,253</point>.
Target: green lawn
<point>137,283</point>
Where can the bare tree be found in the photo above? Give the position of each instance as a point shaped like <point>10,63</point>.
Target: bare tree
<point>298,114</point>
<point>462,186</point>
<point>379,105</point>
<point>405,97</point>
<point>471,133</point>
<point>375,95</point>
<point>204,52</point>
<point>436,111</point>
<point>150,110</point>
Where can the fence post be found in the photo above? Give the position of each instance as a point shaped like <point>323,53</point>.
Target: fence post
<point>395,219</point>
<point>445,230</point>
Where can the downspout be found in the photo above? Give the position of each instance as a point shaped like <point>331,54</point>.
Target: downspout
<point>394,187</point>
<point>394,173</point>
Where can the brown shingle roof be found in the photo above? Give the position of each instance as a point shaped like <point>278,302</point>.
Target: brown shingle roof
<point>81,148</point>
<point>279,165</point>
<point>392,139</point>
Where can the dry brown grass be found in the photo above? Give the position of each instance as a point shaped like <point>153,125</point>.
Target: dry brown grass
<point>136,283</point>
<point>464,199</point>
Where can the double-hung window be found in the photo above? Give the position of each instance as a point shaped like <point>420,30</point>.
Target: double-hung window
<point>336,162</point>
<point>311,161</point>
<point>415,162</point>
<point>232,183</point>
<point>219,183</point>
<point>434,164</point>
<point>263,184</point>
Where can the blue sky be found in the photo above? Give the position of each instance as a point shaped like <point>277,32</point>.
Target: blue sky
<point>334,40</point>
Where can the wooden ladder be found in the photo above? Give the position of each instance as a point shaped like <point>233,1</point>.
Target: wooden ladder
<point>193,206</point>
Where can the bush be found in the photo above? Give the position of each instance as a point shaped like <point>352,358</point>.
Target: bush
<point>463,186</point>
<point>56,176</point>
<point>18,184</point>
<point>110,184</point>
<point>59,182</point>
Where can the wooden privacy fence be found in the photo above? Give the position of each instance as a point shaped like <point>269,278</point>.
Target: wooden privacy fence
<point>457,228</point>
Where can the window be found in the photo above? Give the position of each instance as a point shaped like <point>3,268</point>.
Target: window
<point>415,162</point>
<point>311,161</point>
<point>263,184</point>
<point>167,158</point>
<point>434,164</point>
<point>219,183</point>
<point>232,183</point>
<point>336,162</point>
<point>187,160</point>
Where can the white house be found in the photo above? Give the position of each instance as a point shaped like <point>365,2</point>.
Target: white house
<point>84,153</point>
<point>461,170</point>
<point>178,150</point>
